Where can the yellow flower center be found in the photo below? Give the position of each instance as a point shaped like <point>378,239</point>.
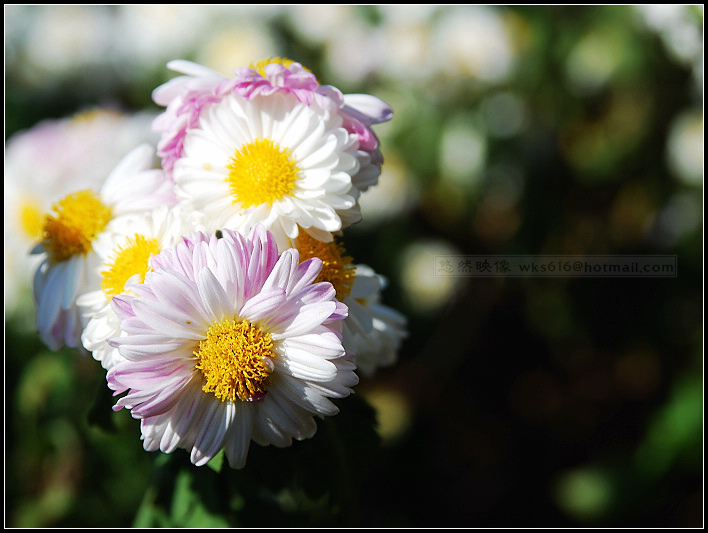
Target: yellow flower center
<point>261,172</point>
<point>336,266</point>
<point>90,115</point>
<point>30,219</point>
<point>74,224</point>
<point>260,66</point>
<point>236,360</point>
<point>128,260</point>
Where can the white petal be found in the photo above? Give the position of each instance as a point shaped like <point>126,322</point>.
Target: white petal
<point>374,108</point>
<point>168,322</point>
<point>215,300</point>
<point>283,271</point>
<point>266,429</point>
<point>263,305</point>
<point>302,365</point>
<point>294,420</point>
<point>326,344</point>
<point>306,396</point>
<point>213,428</point>
<point>307,318</point>
<point>49,300</point>
<point>238,438</point>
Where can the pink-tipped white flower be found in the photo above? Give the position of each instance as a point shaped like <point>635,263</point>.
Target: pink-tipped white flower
<point>185,97</point>
<point>268,160</point>
<point>188,98</point>
<point>226,342</point>
<point>69,232</point>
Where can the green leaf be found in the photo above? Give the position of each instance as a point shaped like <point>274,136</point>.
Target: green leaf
<point>184,495</point>
<point>217,463</point>
<point>314,482</point>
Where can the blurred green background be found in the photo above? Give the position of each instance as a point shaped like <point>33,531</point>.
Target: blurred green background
<point>515,402</point>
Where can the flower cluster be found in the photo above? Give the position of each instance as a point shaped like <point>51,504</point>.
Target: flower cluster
<point>211,282</point>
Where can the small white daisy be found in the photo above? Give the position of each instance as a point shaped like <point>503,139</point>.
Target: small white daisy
<point>226,342</point>
<point>269,160</point>
<point>124,250</point>
<point>69,231</point>
<point>372,331</point>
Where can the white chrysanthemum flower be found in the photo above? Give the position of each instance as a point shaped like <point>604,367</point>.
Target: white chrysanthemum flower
<point>69,265</point>
<point>269,160</point>
<point>190,97</point>
<point>372,331</point>
<point>226,342</point>
<point>124,250</point>
<point>47,162</point>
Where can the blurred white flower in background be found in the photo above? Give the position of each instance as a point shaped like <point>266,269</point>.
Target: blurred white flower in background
<point>355,53</point>
<point>595,58</point>
<point>679,218</point>
<point>223,37</point>
<point>426,289</point>
<point>463,152</point>
<point>47,44</point>
<point>153,34</point>
<point>351,47</point>
<point>44,164</point>
<point>682,214</point>
<point>680,30</point>
<point>473,41</point>
<point>319,24</point>
<point>231,47</point>
<point>52,42</point>
<point>685,147</point>
<point>394,413</point>
<point>407,48</point>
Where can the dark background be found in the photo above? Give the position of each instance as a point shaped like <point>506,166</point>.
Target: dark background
<point>515,402</point>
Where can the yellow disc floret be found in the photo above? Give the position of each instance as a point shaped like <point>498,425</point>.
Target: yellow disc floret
<point>261,172</point>
<point>129,260</point>
<point>236,360</point>
<point>336,266</point>
<point>260,66</point>
<point>30,219</point>
<point>89,115</point>
<point>74,224</point>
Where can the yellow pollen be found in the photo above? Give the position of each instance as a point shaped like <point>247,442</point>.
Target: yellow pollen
<point>260,66</point>
<point>261,172</point>
<point>236,361</point>
<point>74,223</point>
<point>129,260</point>
<point>31,220</point>
<point>336,266</point>
<point>90,115</point>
